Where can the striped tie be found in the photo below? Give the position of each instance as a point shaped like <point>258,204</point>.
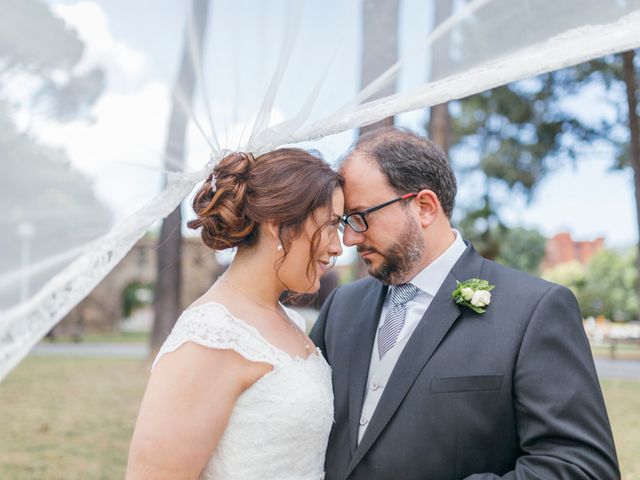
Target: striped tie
<point>393,322</point>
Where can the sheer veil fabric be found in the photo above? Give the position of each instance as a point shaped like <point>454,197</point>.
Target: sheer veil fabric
<point>267,74</point>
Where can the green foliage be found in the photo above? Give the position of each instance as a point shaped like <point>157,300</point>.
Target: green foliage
<point>605,286</point>
<point>39,188</point>
<point>514,130</point>
<point>519,248</point>
<point>32,38</point>
<point>134,295</point>
<point>39,45</point>
<point>515,135</point>
<point>570,274</point>
<point>522,249</point>
<point>609,287</point>
<point>483,228</point>
<point>466,290</point>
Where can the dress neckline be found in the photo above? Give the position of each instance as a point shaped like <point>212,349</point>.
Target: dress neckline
<point>315,354</point>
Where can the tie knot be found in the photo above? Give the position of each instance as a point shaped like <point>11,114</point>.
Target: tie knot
<point>401,294</point>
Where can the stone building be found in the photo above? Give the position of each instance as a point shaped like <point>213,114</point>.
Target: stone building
<point>104,308</point>
<point>562,248</point>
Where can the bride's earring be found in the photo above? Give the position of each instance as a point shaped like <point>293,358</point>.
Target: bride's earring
<point>280,248</point>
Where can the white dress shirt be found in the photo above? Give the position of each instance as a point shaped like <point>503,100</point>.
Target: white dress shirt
<point>429,282</point>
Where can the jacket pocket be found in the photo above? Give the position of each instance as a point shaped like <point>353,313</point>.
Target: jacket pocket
<point>466,384</point>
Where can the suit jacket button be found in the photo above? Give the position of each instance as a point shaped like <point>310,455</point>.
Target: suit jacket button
<point>363,421</point>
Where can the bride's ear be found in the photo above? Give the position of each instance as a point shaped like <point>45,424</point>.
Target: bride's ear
<point>271,231</point>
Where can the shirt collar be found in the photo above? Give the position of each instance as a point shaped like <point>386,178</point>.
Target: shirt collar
<point>431,278</point>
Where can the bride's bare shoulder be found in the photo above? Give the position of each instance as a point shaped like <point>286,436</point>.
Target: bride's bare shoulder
<point>211,296</point>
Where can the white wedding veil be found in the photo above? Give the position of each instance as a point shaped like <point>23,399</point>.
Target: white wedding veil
<point>86,90</point>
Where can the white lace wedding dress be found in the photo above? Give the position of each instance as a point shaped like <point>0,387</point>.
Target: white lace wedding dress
<point>280,426</point>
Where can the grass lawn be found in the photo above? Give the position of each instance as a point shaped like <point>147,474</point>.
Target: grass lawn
<point>72,419</point>
<point>106,337</point>
<point>623,404</point>
<point>68,418</point>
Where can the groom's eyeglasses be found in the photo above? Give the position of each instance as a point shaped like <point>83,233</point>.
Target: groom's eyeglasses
<point>357,220</point>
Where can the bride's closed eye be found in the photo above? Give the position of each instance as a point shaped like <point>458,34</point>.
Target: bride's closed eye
<point>333,223</point>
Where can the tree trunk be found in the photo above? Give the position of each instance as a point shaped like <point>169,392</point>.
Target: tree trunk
<point>440,127</point>
<point>631,84</point>
<point>379,48</point>
<point>439,130</point>
<point>379,52</point>
<point>166,303</point>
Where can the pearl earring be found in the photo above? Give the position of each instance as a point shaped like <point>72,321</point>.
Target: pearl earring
<point>279,248</point>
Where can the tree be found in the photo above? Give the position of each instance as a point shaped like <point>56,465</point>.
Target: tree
<point>520,132</point>
<point>36,43</point>
<point>609,286</point>
<point>605,286</point>
<point>39,186</point>
<point>631,156</point>
<point>379,52</point>
<point>439,127</point>
<point>166,303</point>
<point>523,249</point>
<point>570,274</point>
<point>379,48</point>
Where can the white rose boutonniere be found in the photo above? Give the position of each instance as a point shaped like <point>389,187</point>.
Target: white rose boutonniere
<point>474,293</point>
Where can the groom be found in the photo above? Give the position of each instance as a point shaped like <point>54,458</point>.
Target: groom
<point>426,388</point>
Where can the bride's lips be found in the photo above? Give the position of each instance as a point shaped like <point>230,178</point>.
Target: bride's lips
<point>324,266</point>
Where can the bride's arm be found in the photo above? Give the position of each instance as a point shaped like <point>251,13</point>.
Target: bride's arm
<point>185,410</point>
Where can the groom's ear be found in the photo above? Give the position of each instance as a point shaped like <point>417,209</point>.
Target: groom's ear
<point>429,207</point>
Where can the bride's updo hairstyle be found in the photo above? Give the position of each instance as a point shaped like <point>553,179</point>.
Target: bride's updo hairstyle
<point>283,186</point>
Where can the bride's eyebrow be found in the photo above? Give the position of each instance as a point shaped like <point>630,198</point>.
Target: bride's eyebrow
<point>335,218</point>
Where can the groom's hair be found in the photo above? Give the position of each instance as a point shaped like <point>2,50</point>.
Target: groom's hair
<point>410,162</point>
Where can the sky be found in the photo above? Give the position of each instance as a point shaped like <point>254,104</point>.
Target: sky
<point>139,43</point>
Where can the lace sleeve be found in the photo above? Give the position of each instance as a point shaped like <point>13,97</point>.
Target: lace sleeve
<point>211,325</point>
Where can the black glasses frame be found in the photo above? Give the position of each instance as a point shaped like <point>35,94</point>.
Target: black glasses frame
<point>349,219</point>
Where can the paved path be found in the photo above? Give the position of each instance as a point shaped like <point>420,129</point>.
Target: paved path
<point>618,368</point>
<point>117,350</point>
<point>606,368</point>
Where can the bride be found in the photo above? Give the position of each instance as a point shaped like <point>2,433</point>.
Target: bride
<point>238,390</point>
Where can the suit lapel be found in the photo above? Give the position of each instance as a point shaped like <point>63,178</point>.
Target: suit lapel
<point>363,333</point>
<point>433,327</point>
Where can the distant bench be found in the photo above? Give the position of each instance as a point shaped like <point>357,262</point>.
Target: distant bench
<point>613,343</point>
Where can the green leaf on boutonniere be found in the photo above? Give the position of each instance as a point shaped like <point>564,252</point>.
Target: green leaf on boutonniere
<point>473,293</point>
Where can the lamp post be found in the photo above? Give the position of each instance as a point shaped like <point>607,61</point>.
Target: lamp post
<point>26,231</point>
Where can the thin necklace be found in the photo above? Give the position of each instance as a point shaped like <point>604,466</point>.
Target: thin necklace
<point>280,313</point>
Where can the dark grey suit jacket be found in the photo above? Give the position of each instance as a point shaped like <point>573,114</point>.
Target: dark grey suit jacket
<point>511,393</point>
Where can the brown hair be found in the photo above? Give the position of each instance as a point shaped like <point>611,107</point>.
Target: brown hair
<point>410,162</point>
<point>283,186</point>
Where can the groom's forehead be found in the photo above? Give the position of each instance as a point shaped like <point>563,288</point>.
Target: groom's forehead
<point>365,184</point>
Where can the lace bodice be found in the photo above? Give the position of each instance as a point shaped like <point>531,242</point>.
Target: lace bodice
<point>279,426</point>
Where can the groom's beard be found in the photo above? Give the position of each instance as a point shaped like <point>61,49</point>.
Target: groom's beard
<point>400,258</point>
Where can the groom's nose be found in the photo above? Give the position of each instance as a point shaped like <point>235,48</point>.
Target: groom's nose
<point>350,237</point>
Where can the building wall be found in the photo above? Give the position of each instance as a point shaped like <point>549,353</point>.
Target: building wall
<point>562,248</point>
<point>103,310</point>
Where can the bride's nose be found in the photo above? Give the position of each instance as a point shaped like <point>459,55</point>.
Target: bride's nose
<point>335,247</point>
